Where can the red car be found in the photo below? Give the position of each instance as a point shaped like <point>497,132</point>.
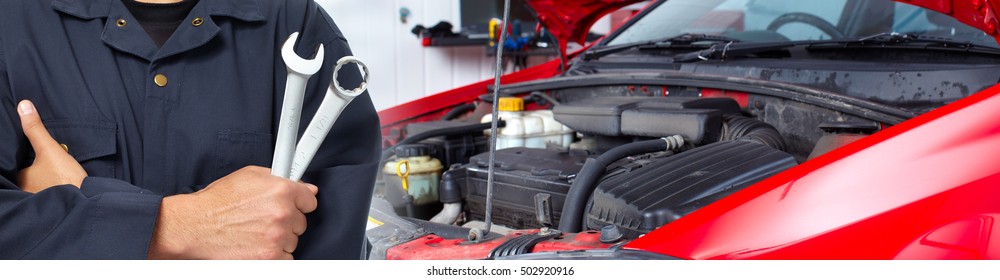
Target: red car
<point>717,129</point>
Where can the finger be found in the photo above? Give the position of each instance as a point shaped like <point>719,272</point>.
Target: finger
<point>298,224</point>
<point>305,200</point>
<point>287,257</point>
<point>289,243</point>
<point>33,128</point>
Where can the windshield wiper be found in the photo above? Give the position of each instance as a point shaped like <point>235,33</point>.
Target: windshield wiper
<point>904,38</point>
<point>719,51</point>
<point>683,40</point>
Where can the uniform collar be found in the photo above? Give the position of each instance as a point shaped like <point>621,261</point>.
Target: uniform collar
<point>131,38</point>
<point>245,10</point>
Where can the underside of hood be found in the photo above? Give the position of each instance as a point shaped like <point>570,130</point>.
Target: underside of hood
<point>980,14</point>
<point>570,20</point>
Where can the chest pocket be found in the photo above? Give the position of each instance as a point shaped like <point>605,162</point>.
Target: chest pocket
<point>237,149</point>
<point>92,143</point>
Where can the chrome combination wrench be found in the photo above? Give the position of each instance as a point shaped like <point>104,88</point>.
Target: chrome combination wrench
<point>290,159</point>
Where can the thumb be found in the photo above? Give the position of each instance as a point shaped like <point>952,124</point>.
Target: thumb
<point>33,128</point>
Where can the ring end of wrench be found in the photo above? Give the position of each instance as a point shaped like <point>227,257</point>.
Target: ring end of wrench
<point>364,78</point>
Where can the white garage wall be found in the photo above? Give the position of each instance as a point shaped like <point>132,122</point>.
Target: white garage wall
<point>402,70</point>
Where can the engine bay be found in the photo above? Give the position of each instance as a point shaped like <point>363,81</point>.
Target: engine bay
<point>585,168</point>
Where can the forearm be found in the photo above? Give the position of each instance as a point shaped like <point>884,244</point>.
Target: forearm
<point>103,219</point>
<point>64,222</point>
<point>168,241</point>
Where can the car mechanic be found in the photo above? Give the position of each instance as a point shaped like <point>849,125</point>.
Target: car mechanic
<point>148,121</point>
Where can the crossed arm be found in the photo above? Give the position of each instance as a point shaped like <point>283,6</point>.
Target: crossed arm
<point>248,214</point>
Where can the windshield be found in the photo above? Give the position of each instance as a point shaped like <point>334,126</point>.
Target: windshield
<point>795,20</point>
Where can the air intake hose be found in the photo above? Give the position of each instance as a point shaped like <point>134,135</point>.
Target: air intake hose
<point>740,128</point>
<point>583,186</point>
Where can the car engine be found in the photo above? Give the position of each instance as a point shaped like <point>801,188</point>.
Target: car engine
<point>593,172</point>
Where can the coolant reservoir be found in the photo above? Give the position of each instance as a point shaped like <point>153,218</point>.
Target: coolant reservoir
<point>534,129</point>
<point>424,175</point>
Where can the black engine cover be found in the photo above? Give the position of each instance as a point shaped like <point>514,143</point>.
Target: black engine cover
<point>639,199</point>
<point>521,174</point>
<point>698,120</point>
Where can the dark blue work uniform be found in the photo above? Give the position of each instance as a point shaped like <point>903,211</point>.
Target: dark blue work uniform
<point>148,122</point>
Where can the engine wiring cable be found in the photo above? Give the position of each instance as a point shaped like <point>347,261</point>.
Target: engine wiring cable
<point>552,100</point>
<point>479,234</point>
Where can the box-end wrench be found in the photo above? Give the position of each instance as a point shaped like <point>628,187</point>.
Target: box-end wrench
<point>299,72</point>
<point>333,105</point>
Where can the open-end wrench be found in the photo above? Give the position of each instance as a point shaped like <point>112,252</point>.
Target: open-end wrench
<point>333,104</point>
<point>299,72</point>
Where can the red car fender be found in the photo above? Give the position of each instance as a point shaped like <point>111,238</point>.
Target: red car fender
<point>928,188</point>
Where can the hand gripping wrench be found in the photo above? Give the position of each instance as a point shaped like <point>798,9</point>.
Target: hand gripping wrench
<point>299,72</point>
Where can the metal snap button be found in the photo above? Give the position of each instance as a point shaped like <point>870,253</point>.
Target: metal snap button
<point>160,80</point>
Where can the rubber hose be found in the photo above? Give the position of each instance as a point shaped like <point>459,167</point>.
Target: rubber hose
<point>547,98</point>
<point>449,214</point>
<point>409,205</point>
<point>739,128</point>
<point>571,219</point>
<point>458,130</point>
<point>459,111</point>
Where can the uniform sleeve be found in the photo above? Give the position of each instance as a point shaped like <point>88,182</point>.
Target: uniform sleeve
<point>105,219</point>
<point>344,168</point>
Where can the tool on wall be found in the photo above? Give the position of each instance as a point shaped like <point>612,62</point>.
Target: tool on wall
<point>404,14</point>
<point>517,44</point>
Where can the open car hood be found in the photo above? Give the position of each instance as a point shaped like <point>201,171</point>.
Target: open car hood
<point>980,14</point>
<point>570,20</point>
